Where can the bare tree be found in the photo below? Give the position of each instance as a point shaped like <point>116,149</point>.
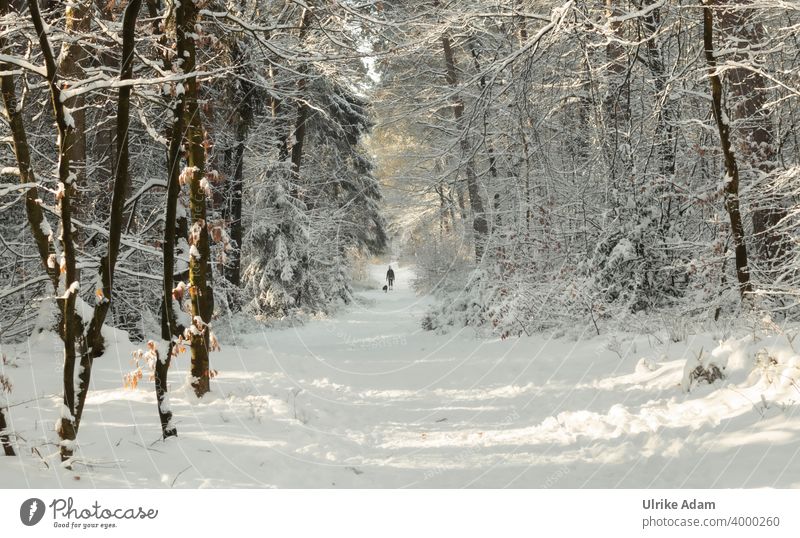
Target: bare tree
<point>76,336</point>
<point>742,28</point>
<point>479,223</point>
<point>170,328</point>
<point>37,222</point>
<point>731,165</point>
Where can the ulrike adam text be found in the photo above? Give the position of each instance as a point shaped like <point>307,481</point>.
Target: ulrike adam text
<point>686,504</point>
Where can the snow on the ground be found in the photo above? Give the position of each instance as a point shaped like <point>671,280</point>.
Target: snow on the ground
<point>369,399</point>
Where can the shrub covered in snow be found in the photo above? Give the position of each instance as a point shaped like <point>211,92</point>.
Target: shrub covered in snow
<point>770,362</point>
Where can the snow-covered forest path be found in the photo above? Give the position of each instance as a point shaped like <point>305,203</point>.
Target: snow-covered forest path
<point>368,399</point>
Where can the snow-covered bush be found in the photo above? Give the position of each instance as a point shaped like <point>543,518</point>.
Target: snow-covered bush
<point>702,369</point>
<point>633,265</point>
<point>767,361</point>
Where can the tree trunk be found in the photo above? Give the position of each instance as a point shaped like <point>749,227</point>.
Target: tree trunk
<point>479,224</point>
<point>72,65</point>
<point>66,426</point>
<point>100,143</point>
<point>170,329</point>
<point>40,228</point>
<point>92,344</point>
<point>200,291</point>
<point>245,113</point>
<point>617,101</point>
<point>497,219</point>
<point>667,113</point>
<point>748,92</point>
<point>8,448</point>
<point>522,23</point>
<point>233,270</point>
<point>731,167</point>
<point>275,106</point>
<point>666,119</point>
<point>302,111</point>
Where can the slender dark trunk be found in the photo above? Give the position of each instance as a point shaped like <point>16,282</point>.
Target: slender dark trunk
<point>36,220</point>
<point>302,112</point>
<point>523,25</point>
<point>92,344</point>
<point>70,329</point>
<point>617,100</point>
<point>479,223</point>
<point>748,92</point>
<point>299,136</point>
<point>170,329</point>
<point>731,167</point>
<point>667,112</point>
<point>245,113</point>
<point>664,138</point>
<point>233,270</point>
<point>497,220</point>
<point>161,371</point>
<point>8,448</point>
<point>275,106</point>
<point>442,212</point>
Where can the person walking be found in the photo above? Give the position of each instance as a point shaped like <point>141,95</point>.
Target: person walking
<point>390,277</point>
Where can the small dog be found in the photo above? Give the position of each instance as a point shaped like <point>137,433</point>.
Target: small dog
<point>385,288</point>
